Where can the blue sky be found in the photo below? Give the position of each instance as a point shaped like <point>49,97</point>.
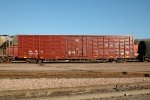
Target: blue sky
<point>100,17</point>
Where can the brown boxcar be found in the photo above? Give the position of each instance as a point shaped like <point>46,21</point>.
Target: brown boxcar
<point>50,47</point>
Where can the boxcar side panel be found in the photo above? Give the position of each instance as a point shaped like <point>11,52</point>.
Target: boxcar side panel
<point>12,51</point>
<point>100,47</point>
<point>42,47</point>
<point>75,47</point>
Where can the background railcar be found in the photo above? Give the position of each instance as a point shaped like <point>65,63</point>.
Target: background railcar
<point>144,50</point>
<point>5,42</point>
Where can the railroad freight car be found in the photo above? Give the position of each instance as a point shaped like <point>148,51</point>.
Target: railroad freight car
<point>144,50</point>
<point>33,48</point>
<point>4,44</point>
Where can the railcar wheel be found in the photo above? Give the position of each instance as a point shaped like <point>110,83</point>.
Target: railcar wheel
<point>1,61</point>
<point>27,60</point>
<point>140,58</point>
<point>113,61</point>
<point>5,59</point>
<point>40,61</point>
<point>120,60</point>
<point>32,60</point>
<point>104,61</point>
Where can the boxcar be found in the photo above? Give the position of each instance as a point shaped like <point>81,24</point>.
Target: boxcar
<point>74,47</point>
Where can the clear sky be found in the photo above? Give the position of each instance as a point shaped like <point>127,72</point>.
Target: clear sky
<point>110,17</point>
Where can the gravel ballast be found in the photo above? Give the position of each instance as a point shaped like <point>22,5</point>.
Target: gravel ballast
<point>22,84</point>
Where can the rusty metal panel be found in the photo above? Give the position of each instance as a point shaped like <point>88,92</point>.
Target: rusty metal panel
<point>63,47</point>
<point>75,47</point>
<point>89,47</point>
<point>116,47</point>
<point>95,47</point>
<point>122,47</point>
<point>106,47</point>
<point>42,47</point>
<point>12,51</point>
<point>111,47</point>
<point>55,47</point>
<point>101,46</point>
<point>132,55</point>
<point>136,50</point>
<point>84,47</point>
<point>127,47</point>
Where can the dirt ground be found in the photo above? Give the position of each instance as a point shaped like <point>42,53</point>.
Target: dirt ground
<point>103,92</point>
<point>105,96</point>
<point>74,70</point>
<point>111,67</point>
<point>79,70</point>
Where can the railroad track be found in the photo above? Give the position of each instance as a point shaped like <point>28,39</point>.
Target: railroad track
<point>70,74</point>
<point>75,70</point>
<point>79,61</point>
<point>86,93</point>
